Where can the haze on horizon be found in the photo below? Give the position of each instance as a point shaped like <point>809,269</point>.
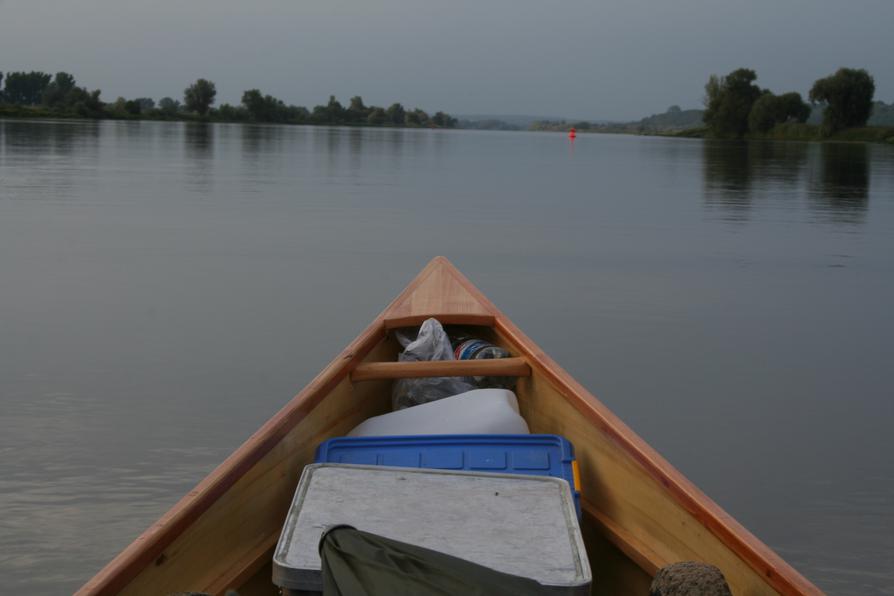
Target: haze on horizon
<point>612,60</point>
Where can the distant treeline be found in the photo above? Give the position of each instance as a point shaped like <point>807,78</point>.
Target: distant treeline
<point>841,106</point>
<point>487,124</point>
<point>41,94</point>
<point>735,106</point>
<point>673,119</point>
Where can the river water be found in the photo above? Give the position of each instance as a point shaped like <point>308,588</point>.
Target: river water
<point>166,287</point>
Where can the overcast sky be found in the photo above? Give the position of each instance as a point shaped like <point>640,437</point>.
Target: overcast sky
<point>617,59</point>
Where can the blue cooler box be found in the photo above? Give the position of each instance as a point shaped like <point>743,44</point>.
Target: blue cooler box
<point>534,455</point>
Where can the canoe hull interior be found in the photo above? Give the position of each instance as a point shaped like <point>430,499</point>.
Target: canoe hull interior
<point>639,513</point>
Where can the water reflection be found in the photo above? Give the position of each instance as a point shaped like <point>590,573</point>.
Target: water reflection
<point>57,150</point>
<point>23,138</point>
<point>735,173</point>
<point>356,138</point>
<point>839,182</point>
<point>198,140</point>
<point>643,268</point>
<point>330,138</point>
<point>198,147</point>
<point>258,139</point>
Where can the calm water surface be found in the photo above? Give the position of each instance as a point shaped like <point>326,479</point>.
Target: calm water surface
<point>165,288</point>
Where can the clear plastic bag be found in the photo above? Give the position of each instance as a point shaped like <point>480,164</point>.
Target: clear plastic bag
<point>430,343</point>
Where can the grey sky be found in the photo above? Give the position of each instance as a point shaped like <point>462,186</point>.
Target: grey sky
<point>618,59</point>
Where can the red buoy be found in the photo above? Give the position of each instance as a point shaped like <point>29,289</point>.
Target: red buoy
<point>572,133</point>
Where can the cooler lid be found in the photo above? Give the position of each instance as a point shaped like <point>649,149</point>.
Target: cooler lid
<point>522,525</point>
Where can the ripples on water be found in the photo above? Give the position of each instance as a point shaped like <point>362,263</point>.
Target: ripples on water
<point>167,287</point>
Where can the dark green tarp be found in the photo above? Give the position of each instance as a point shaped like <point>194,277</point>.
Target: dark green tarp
<point>358,563</point>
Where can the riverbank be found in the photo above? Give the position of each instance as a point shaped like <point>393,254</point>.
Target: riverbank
<point>43,113</point>
<point>12,111</point>
<point>783,132</point>
<point>795,131</point>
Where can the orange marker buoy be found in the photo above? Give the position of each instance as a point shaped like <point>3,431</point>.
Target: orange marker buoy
<point>572,133</point>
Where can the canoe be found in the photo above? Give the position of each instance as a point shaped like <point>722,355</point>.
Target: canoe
<point>639,513</point>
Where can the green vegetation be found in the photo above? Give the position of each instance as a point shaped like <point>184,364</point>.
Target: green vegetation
<point>199,96</point>
<point>847,97</point>
<point>771,110</point>
<point>801,131</point>
<point>728,102</point>
<point>668,123</point>
<point>790,131</point>
<point>737,108</point>
<point>39,95</point>
<point>25,88</point>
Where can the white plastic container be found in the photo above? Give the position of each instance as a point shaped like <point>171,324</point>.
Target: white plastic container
<point>478,412</point>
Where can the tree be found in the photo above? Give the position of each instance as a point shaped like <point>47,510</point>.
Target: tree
<point>395,114</point>
<point>253,102</point>
<point>357,112</point>
<point>263,108</point>
<point>376,117</point>
<point>297,115</point>
<point>84,103</point>
<point>416,118</point>
<point>146,104</point>
<point>847,97</point>
<point>64,94</point>
<point>56,93</point>
<point>199,96</point>
<point>119,108</point>
<point>168,106</point>
<point>335,112</point>
<point>231,113</point>
<point>770,110</point>
<point>26,88</point>
<point>2,95</point>
<point>132,107</point>
<point>319,115</point>
<point>443,120</point>
<point>728,102</point>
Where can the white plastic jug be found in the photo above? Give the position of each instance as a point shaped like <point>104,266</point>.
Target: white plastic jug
<point>478,412</point>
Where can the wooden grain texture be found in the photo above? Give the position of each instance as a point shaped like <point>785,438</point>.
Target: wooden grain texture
<point>653,480</point>
<point>244,499</point>
<point>614,573</point>
<point>215,551</point>
<point>436,292</point>
<point>638,508</point>
<point>501,367</point>
<point>152,549</point>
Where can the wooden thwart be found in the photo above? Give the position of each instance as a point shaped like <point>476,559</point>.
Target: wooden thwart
<point>639,512</point>
<point>497,367</point>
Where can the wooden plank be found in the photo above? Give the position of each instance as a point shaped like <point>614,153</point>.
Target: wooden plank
<point>634,510</point>
<point>445,318</point>
<point>437,293</point>
<point>221,531</point>
<point>632,547</point>
<point>150,551</point>
<point>613,572</point>
<point>233,536</point>
<point>646,508</point>
<point>497,367</point>
<point>597,425</point>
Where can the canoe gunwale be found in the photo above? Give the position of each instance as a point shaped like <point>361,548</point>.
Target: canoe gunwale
<point>776,572</point>
<point>465,305</point>
<point>151,543</point>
